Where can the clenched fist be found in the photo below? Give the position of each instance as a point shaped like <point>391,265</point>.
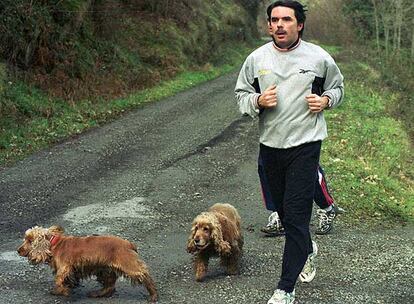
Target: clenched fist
<point>317,103</point>
<point>268,99</point>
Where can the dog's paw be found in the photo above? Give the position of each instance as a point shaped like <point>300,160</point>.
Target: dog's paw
<point>233,270</point>
<point>154,299</point>
<point>224,248</point>
<point>103,293</point>
<point>200,277</point>
<point>60,291</point>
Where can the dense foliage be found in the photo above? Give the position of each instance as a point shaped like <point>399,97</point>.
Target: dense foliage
<point>386,33</point>
<point>76,48</point>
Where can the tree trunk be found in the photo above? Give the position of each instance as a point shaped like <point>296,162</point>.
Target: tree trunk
<point>412,40</point>
<point>384,19</point>
<point>377,38</point>
<point>399,12</point>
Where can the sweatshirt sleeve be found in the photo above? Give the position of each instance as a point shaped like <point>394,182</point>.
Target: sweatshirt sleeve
<point>334,83</point>
<point>247,89</point>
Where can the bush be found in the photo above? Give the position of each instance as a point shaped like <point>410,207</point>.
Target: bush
<point>78,49</point>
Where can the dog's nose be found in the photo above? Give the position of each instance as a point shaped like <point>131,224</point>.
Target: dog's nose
<point>196,241</point>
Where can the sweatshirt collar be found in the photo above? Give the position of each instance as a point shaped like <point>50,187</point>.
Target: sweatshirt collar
<point>290,48</point>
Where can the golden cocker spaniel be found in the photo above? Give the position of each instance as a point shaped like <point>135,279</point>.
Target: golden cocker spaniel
<point>216,232</point>
<point>74,258</point>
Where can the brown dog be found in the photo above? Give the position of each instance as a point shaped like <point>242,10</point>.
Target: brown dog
<point>216,232</point>
<point>75,258</point>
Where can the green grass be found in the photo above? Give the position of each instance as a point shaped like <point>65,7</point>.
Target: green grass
<point>366,156</point>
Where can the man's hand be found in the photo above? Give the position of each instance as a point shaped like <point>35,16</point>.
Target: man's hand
<point>317,103</point>
<point>268,98</point>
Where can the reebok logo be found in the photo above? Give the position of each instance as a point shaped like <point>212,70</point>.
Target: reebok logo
<point>302,71</point>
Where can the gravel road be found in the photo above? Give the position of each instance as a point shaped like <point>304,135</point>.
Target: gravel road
<point>145,177</point>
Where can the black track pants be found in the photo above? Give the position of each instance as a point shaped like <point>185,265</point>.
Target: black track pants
<point>290,174</point>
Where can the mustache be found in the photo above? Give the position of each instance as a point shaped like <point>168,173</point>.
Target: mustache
<point>280,32</point>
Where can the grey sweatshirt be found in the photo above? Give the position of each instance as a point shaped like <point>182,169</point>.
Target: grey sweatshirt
<point>303,70</point>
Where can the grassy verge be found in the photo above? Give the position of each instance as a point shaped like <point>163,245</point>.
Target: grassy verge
<point>36,121</point>
<point>368,154</point>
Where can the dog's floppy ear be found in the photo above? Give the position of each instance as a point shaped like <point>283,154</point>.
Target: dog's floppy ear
<point>191,247</point>
<point>56,229</point>
<point>40,246</point>
<point>222,247</point>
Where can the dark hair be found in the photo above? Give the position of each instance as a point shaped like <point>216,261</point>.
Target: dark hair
<point>295,5</point>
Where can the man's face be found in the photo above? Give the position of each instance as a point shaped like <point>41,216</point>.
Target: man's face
<point>283,26</point>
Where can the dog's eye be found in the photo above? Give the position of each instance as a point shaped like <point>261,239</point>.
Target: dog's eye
<point>205,229</point>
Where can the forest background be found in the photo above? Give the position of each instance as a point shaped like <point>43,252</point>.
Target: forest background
<point>67,66</point>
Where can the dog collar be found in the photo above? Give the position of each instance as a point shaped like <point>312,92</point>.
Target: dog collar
<point>53,240</point>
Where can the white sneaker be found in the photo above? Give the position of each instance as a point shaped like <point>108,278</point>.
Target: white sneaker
<point>309,270</point>
<point>326,219</point>
<point>274,226</point>
<point>282,297</point>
